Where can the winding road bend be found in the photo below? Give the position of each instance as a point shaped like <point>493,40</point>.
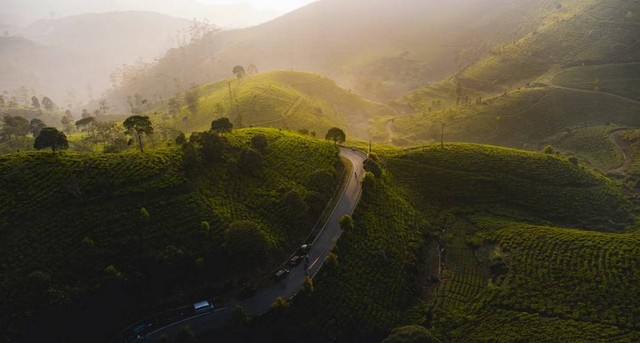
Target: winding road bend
<point>288,287</point>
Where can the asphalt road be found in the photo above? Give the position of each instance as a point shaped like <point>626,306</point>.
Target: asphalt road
<point>290,285</point>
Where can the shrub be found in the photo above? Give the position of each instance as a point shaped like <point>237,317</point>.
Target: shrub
<point>247,244</point>
<point>373,167</point>
<point>346,223</point>
<point>280,304</point>
<point>331,259</point>
<point>307,285</point>
<point>549,150</point>
<point>259,142</point>
<point>240,316</point>
<point>250,161</point>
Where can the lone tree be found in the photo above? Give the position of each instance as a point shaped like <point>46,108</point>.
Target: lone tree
<point>335,134</point>
<point>139,125</point>
<point>239,72</point>
<point>252,69</point>
<point>221,125</point>
<point>35,103</point>
<point>36,125</point>
<point>50,137</point>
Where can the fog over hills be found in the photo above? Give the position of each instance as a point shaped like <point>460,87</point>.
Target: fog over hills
<point>71,59</point>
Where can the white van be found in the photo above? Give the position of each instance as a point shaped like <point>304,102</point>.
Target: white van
<point>202,307</point>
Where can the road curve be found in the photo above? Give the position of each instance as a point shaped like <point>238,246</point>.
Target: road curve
<point>288,287</point>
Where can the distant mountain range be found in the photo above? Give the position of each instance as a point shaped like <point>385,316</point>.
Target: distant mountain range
<point>70,59</point>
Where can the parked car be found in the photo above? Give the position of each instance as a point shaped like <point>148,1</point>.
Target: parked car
<point>304,249</point>
<point>281,274</point>
<point>295,260</point>
<point>202,307</point>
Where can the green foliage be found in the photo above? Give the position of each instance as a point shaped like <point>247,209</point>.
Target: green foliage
<point>259,142</point>
<point>139,125</point>
<point>250,161</point>
<point>280,304</point>
<point>14,126</point>
<point>346,223</point>
<point>410,334</point>
<point>185,334</point>
<point>247,244</point>
<point>222,125</point>
<point>239,71</point>
<point>336,135</point>
<point>112,272</point>
<point>84,212</point>
<point>50,137</point>
<point>307,285</point>
<point>370,165</point>
<point>549,150</point>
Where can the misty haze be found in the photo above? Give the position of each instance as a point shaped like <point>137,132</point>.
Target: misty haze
<point>320,171</point>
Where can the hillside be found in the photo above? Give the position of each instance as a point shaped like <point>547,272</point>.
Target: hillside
<point>66,62</point>
<point>119,236</point>
<point>292,100</point>
<point>481,205</point>
<point>380,48</point>
<point>575,71</point>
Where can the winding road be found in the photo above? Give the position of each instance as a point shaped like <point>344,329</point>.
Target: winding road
<point>291,285</point>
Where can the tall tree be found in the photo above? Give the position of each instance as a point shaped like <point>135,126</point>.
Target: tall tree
<point>67,121</point>
<point>252,69</point>
<point>239,72</point>
<point>50,137</point>
<point>36,125</point>
<point>139,125</point>
<point>335,134</point>
<point>221,125</point>
<point>86,124</point>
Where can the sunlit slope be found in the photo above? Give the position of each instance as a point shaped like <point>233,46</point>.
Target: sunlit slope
<point>69,216</point>
<point>576,70</point>
<point>379,48</point>
<point>293,100</point>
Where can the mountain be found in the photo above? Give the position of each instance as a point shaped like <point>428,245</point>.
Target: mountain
<point>71,59</point>
<point>379,48</point>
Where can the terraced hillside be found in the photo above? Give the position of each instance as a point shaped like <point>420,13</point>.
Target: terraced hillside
<point>117,236</point>
<point>471,207</point>
<point>293,100</point>
<point>577,70</point>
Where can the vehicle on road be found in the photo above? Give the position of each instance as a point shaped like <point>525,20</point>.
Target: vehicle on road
<point>304,249</point>
<point>295,260</point>
<point>282,273</point>
<point>202,307</point>
<point>138,331</point>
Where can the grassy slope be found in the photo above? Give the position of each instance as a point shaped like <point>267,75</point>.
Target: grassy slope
<point>46,228</point>
<point>292,100</point>
<point>620,79</point>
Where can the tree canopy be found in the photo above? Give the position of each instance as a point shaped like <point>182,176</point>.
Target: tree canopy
<point>85,123</point>
<point>335,134</point>
<point>221,125</point>
<point>15,126</point>
<point>50,137</point>
<point>238,71</point>
<point>139,125</point>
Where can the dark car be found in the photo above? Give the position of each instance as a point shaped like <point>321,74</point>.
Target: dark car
<point>295,260</point>
<point>281,273</point>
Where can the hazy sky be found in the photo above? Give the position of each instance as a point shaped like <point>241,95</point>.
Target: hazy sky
<point>225,13</point>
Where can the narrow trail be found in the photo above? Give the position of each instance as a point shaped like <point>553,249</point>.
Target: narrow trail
<point>625,151</point>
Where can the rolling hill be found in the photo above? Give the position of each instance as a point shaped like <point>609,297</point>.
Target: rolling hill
<point>577,70</point>
<point>379,48</point>
<point>281,99</point>
<point>561,230</point>
<point>117,236</point>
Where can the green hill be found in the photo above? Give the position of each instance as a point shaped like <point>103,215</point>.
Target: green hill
<point>119,236</point>
<point>292,100</point>
<point>483,205</point>
<point>575,71</point>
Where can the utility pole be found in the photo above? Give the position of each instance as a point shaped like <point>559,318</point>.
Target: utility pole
<point>442,137</point>
<point>369,146</point>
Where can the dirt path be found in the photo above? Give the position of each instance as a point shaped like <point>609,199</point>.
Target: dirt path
<point>625,150</point>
